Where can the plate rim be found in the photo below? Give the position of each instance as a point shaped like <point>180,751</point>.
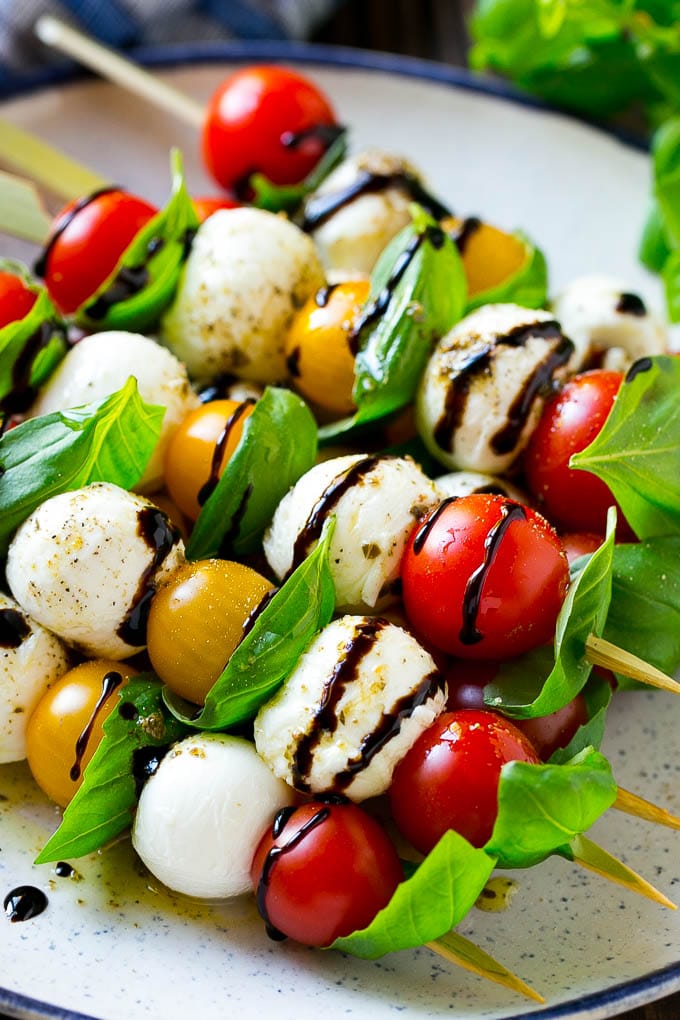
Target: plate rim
<point>595,1005</point>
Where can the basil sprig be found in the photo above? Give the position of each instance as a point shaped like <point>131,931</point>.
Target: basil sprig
<point>104,804</point>
<point>288,197</point>
<point>418,292</point>
<point>144,282</point>
<point>30,348</point>
<point>542,807</point>
<point>268,652</point>
<point>543,681</point>
<point>277,446</point>
<point>527,287</point>
<point>110,440</point>
<point>637,451</point>
<point>432,901</point>
<point>660,244</point>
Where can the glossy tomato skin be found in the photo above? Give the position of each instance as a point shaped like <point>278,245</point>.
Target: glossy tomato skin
<point>206,206</point>
<point>16,299</point>
<point>252,116</point>
<point>484,577</point>
<point>449,778</point>
<point>573,500</point>
<point>323,871</point>
<point>87,241</point>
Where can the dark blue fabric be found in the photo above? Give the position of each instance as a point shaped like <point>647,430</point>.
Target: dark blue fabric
<point>242,19</point>
<point>109,21</point>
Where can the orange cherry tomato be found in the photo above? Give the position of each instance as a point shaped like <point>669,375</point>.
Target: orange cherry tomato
<point>318,346</point>
<point>200,449</point>
<point>206,206</point>
<point>196,621</point>
<point>65,728</point>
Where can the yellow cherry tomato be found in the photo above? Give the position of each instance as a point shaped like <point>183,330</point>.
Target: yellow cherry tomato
<point>65,728</point>
<point>318,346</point>
<point>196,621</point>
<point>490,256</point>
<point>199,451</point>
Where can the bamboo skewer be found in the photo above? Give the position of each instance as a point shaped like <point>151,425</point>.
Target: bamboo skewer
<point>45,165</point>
<point>600,652</point>
<point>631,804</point>
<point>110,65</point>
<point>458,950</point>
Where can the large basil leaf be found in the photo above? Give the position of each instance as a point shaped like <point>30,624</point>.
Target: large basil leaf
<point>429,903</point>
<point>597,694</point>
<point>418,292</point>
<point>542,807</point>
<point>267,654</point>
<point>30,348</point>
<point>637,451</point>
<point>144,282</point>
<point>644,615</point>
<point>527,287</point>
<point>108,441</point>
<point>104,804</point>
<point>278,445</point>
<point>522,689</point>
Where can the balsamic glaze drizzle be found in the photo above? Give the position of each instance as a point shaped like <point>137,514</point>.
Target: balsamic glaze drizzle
<point>469,226</point>
<point>325,719</point>
<point>631,304</point>
<point>160,536</point>
<point>311,532</point>
<point>219,450</point>
<point>14,628</point>
<point>110,681</point>
<point>24,902</point>
<point>510,512</point>
<point>319,208</point>
<point>428,524</point>
<point>327,134</point>
<point>277,852</point>
<point>641,365</point>
<point>22,393</point>
<point>478,364</point>
<point>40,266</point>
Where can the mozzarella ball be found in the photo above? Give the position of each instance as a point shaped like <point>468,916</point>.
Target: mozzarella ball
<point>202,814</point>
<point>30,660</point>
<point>247,274</point>
<point>376,502</point>
<point>100,364</point>
<point>358,209</point>
<point>85,565</point>
<point>464,483</point>
<point>609,325</point>
<point>357,700</point>
<point>485,384</point>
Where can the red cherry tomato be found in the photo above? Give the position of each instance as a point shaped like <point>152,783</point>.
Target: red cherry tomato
<point>449,778</point>
<point>206,206</point>
<point>484,577</point>
<point>16,299</point>
<point>325,870</point>
<point>265,119</point>
<point>574,500</point>
<point>87,241</point>
<point>580,543</point>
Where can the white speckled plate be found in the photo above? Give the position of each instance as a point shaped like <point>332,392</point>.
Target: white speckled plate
<point>113,946</point>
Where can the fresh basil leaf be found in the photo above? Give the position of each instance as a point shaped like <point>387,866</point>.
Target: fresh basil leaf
<point>429,903</point>
<point>418,292</point>
<point>671,280</point>
<point>287,197</point>
<point>654,249</point>
<point>266,655</point>
<point>666,158</point>
<point>644,615</point>
<point>111,440</point>
<point>597,694</point>
<point>104,804</point>
<point>542,807</point>
<point>30,348</point>
<point>527,287</point>
<point>521,688</point>
<point>144,282</point>
<point>277,446</point>
<point>637,451</point>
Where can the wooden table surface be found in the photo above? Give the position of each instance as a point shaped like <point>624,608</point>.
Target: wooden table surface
<point>433,29</point>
